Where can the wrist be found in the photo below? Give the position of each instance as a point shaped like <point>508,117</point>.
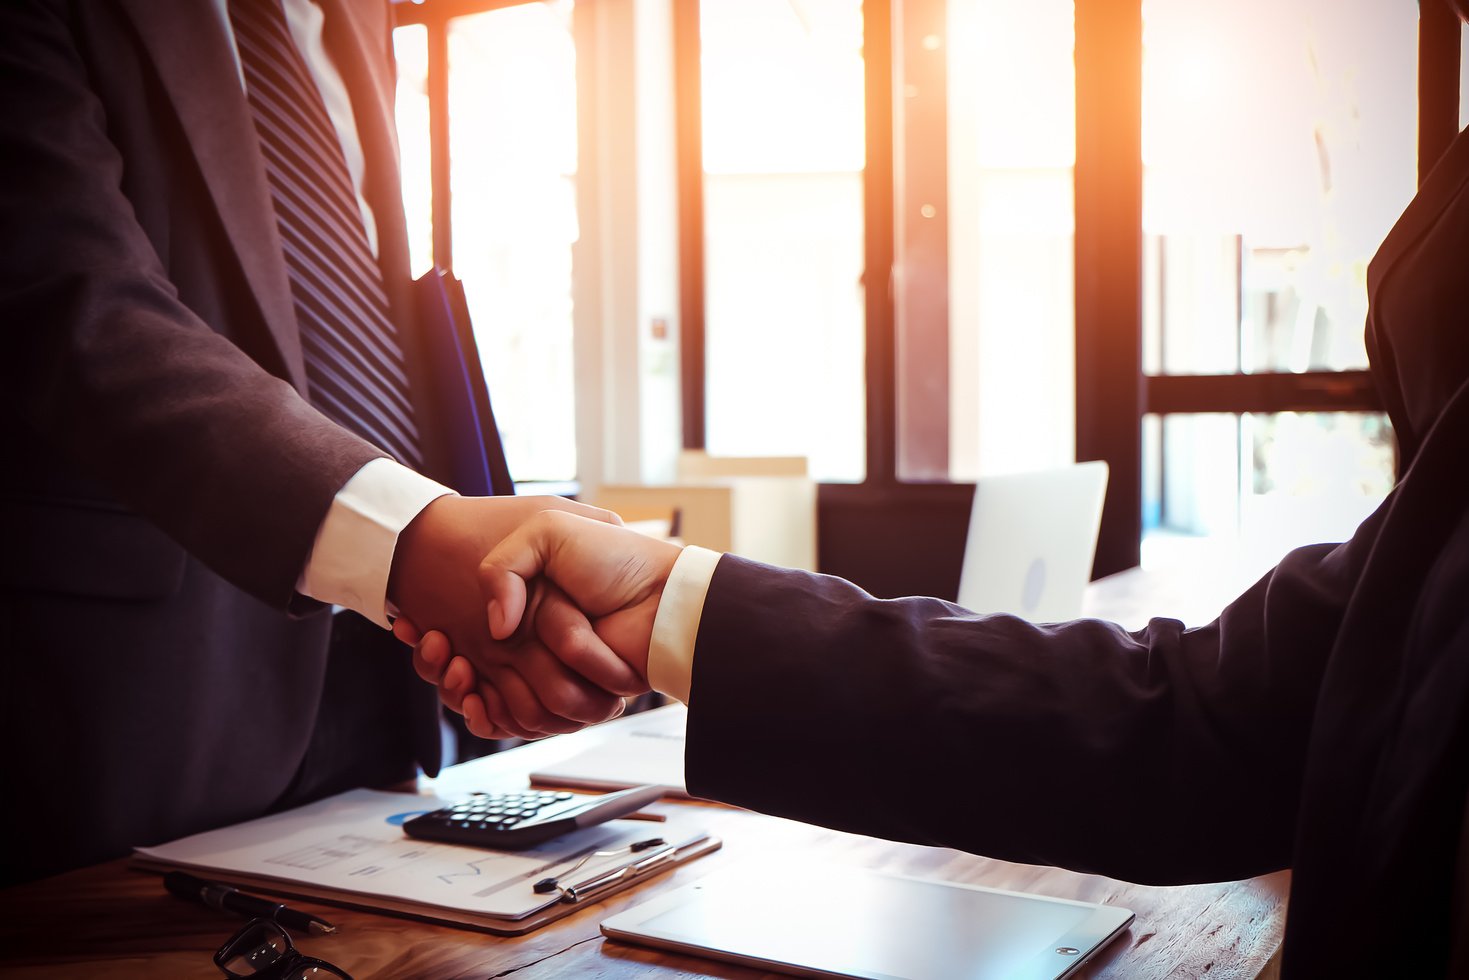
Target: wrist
<point>426,543</point>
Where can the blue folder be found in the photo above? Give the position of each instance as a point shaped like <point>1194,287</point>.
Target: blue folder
<point>477,457</point>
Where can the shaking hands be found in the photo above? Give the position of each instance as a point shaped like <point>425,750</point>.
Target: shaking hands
<point>567,605</point>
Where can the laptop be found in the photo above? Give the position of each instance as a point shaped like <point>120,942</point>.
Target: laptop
<point>1032,537</point>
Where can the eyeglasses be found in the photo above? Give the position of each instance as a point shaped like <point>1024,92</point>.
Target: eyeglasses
<point>262,950</point>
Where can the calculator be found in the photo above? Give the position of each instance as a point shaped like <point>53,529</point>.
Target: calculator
<point>525,818</point>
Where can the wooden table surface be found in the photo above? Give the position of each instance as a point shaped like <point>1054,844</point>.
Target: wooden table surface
<point>114,921</point>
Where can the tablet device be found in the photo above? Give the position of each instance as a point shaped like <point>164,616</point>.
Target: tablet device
<point>844,922</point>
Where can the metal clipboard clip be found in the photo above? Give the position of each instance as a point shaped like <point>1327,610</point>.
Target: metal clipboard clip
<point>608,878</point>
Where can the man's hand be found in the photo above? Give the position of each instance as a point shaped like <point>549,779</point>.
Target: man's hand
<point>600,575</point>
<point>582,590</point>
<point>434,583</point>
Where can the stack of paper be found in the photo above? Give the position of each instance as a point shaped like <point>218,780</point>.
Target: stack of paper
<point>351,850</point>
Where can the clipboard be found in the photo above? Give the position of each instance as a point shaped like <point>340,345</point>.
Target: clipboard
<point>349,850</point>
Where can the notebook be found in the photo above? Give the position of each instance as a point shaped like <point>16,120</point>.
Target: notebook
<point>1032,538</point>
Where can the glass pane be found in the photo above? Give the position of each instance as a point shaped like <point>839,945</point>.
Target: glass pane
<point>1008,129</point>
<point>512,126</point>
<point>1279,145</point>
<point>1260,484</point>
<point>410,49</point>
<point>783,158</point>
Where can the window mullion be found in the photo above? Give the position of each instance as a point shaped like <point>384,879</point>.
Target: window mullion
<point>1108,177</point>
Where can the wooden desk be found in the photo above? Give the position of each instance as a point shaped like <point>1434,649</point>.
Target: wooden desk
<point>112,921</point>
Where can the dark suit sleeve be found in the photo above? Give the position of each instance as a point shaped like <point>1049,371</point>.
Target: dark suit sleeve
<point>1168,755</point>
<point>111,369</point>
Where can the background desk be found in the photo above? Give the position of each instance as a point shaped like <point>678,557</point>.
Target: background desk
<point>1192,585</point>
<point>111,921</point>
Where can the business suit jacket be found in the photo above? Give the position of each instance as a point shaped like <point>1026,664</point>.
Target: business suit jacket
<point>1320,724</point>
<point>167,476</point>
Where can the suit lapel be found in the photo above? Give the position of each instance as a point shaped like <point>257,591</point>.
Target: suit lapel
<point>196,66</point>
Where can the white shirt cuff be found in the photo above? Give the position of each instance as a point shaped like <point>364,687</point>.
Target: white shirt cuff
<point>676,626</point>
<point>353,553</point>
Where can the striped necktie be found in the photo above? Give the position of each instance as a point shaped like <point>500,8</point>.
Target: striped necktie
<point>354,361</point>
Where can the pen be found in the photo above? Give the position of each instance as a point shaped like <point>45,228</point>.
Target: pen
<point>227,898</point>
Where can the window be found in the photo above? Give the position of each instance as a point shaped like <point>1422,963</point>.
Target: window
<point>1276,155</point>
<point>782,119</point>
<point>984,121</point>
<point>1247,487</point>
<point>510,92</point>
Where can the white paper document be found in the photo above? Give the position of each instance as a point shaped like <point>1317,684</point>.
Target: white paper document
<point>354,844</point>
<point>639,750</point>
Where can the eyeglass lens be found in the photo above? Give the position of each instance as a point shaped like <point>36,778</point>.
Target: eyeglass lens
<point>264,950</point>
<point>259,948</point>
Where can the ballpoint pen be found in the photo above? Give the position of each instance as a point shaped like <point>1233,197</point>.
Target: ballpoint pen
<point>227,898</point>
